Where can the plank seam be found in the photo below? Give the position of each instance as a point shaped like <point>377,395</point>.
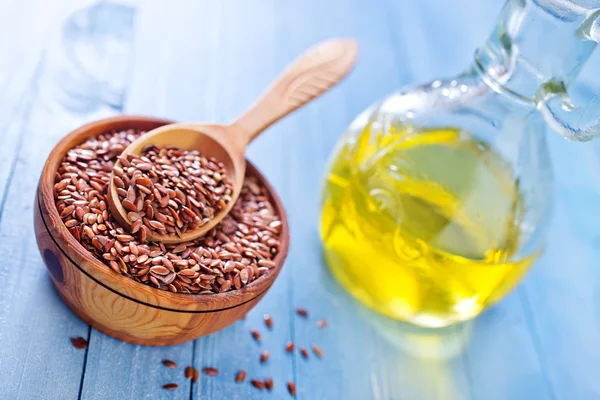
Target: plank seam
<point>193,365</point>
<point>85,357</point>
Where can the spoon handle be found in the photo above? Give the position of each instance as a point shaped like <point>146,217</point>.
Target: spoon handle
<point>310,75</point>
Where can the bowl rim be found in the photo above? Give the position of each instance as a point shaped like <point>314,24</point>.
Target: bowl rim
<point>107,278</point>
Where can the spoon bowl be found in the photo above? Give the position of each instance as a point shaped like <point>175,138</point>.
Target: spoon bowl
<point>212,139</point>
<point>309,76</point>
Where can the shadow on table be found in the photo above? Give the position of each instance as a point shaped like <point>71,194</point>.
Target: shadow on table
<point>436,344</point>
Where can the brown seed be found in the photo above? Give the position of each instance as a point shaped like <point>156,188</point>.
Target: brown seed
<point>289,347</point>
<point>322,323</point>
<point>170,386</point>
<point>159,270</point>
<point>302,312</point>
<point>79,343</point>
<point>240,376</point>
<point>264,356</point>
<point>237,251</point>
<point>317,350</point>
<point>269,384</point>
<point>196,376</point>
<point>268,321</point>
<point>292,388</point>
<point>258,384</point>
<point>256,335</point>
<point>169,363</point>
<point>304,352</point>
<point>210,371</point>
<point>189,372</point>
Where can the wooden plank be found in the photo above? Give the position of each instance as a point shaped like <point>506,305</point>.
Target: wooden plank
<point>225,69</point>
<point>364,353</point>
<point>561,291</point>
<point>19,63</point>
<point>38,360</point>
<point>115,369</point>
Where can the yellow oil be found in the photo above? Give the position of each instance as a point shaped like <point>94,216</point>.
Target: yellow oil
<point>423,225</point>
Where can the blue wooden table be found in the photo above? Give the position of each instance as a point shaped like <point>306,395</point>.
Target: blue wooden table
<point>73,61</point>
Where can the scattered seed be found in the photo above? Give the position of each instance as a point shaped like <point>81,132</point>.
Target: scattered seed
<point>289,347</point>
<point>268,321</point>
<point>169,363</point>
<point>170,386</point>
<point>196,376</point>
<point>292,388</point>
<point>322,323</point>
<point>264,356</point>
<point>258,384</point>
<point>79,343</point>
<point>317,350</point>
<point>240,376</point>
<point>256,335</point>
<point>302,312</point>
<point>189,372</point>
<point>304,352</point>
<point>210,371</point>
<point>269,384</point>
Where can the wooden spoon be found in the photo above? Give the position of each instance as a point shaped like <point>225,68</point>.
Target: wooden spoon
<point>313,73</point>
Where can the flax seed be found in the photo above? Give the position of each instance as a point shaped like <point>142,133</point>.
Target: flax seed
<point>79,343</point>
<point>304,352</point>
<point>169,363</point>
<point>317,350</point>
<point>302,312</point>
<point>322,323</point>
<point>256,335</point>
<point>269,384</point>
<point>170,386</point>
<point>289,347</point>
<point>264,356</point>
<point>260,385</point>
<point>291,388</point>
<point>240,376</point>
<point>232,255</point>
<point>268,321</point>
<point>210,371</point>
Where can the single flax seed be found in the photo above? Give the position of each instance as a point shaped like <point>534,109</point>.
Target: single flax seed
<point>210,371</point>
<point>264,356</point>
<point>268,321</point>
<point>289,347</point>
<point>292,388</point>
<point>302,312</point>
<point>258,384</point>
<point>269,384</point>
<point>240,376</point>
<point>169,363</point>
<point>317,350</point>
<point>170,386</point>
<point>304,352</point>
<point>256,335</point>
<point>79,343</point>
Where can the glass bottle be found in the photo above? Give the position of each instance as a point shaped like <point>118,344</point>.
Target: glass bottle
<point>437,198</point>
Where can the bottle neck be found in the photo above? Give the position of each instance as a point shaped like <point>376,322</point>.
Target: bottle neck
<point>534,42</point>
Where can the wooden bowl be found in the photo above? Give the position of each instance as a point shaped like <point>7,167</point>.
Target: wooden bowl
<point>121,307</point>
